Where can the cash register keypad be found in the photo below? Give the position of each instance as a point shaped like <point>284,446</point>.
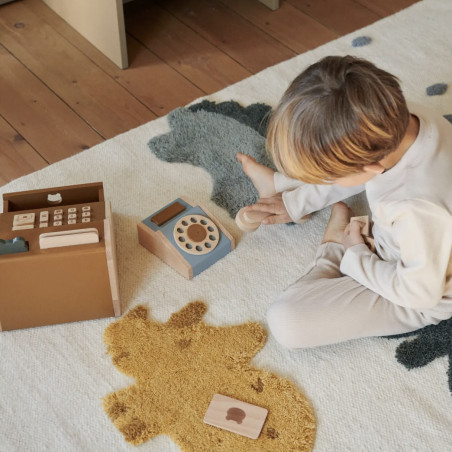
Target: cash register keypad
<point>58,217</point>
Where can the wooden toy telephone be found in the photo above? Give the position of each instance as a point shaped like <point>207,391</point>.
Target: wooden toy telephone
<point>185,236</point>
<point>57,257</point>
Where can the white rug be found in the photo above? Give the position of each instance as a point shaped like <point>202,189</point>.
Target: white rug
<point>52,379</point>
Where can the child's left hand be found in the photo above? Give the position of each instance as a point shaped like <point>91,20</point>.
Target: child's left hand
<point>352,234</point>
<point>274,206</point>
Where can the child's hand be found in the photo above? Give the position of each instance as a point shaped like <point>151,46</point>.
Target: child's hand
<point>274,206</point>
<point>352,234</point>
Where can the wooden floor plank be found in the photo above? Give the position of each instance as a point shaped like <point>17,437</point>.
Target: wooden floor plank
<point>94,95</point>
<point>40,116</point>
<point>290,26</point>
<point>386,7</point>
<point>238,38</point>
<point>148,78</point>
<point>341,16</point>
<point>155,83</point>
<point>180,47</point>
<point>17,157</point>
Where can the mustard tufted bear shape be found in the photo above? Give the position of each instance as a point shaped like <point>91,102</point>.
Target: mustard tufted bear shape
<point>179,366</point>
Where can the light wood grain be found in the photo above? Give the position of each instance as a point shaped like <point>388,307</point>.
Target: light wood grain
<point>341,16</point>
<point>229,32</point>
<point>148,78</point>
<point>17,157</point>
<point>101,22</point>
<point>93,94</point>
<point>306,35</point>
<point>385,7</point>
<point>39,115</point>
<point>112,262</point>
<point>182,48</point>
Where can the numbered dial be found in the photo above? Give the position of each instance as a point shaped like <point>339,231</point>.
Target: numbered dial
<point>196,234</point>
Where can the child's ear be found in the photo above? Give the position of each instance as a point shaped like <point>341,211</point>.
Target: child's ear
<point>375,168</point>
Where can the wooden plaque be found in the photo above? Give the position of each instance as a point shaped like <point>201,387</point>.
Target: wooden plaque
<point>235,416</point>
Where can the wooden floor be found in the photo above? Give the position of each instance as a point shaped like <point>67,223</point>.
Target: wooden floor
<point>59,95</point>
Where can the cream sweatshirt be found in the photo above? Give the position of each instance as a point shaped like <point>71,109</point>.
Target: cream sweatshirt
<point>411,207</point>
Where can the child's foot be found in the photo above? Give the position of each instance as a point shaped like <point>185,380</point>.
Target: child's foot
<point>260,175</point>
<point>339,219</point>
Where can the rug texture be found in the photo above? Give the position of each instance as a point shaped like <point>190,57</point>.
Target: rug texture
<point>209,135</point>
<point>53,379</point>
<point>426,345</point>
<point>180,365</point>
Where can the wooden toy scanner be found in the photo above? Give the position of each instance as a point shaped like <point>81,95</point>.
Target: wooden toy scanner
<point>57,257</point>
<point>185,236</point>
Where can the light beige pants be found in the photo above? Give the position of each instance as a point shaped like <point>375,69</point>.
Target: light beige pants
<point>325,307</point>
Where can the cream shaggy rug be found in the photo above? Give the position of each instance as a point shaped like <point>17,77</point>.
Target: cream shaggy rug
<point>53,379</point>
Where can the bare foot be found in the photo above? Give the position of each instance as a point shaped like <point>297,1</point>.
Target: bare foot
<point>260,175</point>
<point>339,219</point>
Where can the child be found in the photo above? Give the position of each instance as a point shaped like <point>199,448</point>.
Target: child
<point>342,127</point>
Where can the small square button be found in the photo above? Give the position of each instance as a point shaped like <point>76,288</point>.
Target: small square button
<point>58,223</point>
<point>58,217</point>
<point>43,216</point>
<point>72,216</point>
<point>86,208</point>
<point>58,212</point>
<point>86,220</point>
<point>43,225</point>
<point>71,221</point>
<point>24,219</point>
<point>72,210</point>
<point>86,214</point>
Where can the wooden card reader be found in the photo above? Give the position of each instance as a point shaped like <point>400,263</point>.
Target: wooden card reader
<point>58,239</point>
<point>57,257</point>
<point>185,236</point>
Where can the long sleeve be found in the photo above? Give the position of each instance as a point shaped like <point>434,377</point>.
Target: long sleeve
<point>419,276</point>
<point>301,199</point>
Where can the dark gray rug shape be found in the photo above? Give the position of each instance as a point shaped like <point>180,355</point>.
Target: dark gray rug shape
<point>361,41</point>
<point>425,345</point>
<point>255,116</point>
<point>436,90</point>
<point>209,135</point>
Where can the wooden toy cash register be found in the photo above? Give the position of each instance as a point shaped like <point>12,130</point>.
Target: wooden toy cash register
<point>57,257</point>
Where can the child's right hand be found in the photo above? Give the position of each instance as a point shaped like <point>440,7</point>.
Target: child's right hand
<point>352,234</point>
<point>274,206</point>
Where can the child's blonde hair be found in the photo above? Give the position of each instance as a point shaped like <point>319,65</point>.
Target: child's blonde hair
<point>337,116</point>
